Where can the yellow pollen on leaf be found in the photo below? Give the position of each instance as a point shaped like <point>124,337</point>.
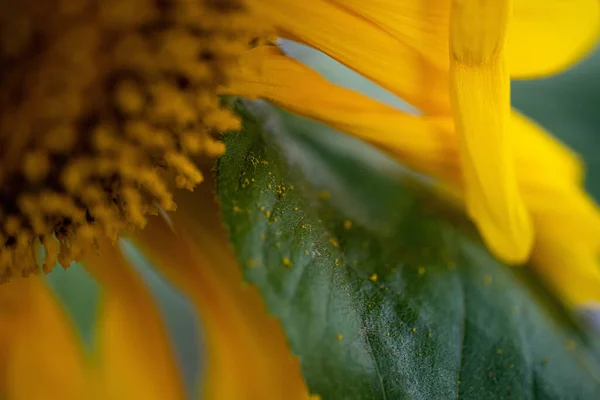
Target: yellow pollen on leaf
<point>103,123</point>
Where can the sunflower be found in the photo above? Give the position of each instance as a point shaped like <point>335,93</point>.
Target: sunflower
<point>453,61</point>
<point>105,103</point>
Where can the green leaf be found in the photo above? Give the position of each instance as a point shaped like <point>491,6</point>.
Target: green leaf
<point>383,291</point>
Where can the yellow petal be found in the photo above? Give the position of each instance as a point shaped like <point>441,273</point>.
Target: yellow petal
<point>540,157</point>
<point>248,357</point>
<point>421,25</point>
<point>572,269</point>
<point>270,75</point>
<point>40,354</point>
<point>567,213</point>
<point>383,55</point>
<point>567,248</point>
<point>547,36</point>
<point>135,358</point>
<point>479,87</point>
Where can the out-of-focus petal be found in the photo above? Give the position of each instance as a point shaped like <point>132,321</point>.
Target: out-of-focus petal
<point>534,148</point>
<point>567,213</point>
<point>394,59</point>
<point>248,357</point>
<point>480,96</point>
<point>572,269</point>
<point>41,355</point>
<point>567,245</point>
<point>547,36</point>
<point>135,358</point>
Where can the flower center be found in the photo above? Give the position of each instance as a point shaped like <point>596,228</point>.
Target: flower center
<point>102,104</point>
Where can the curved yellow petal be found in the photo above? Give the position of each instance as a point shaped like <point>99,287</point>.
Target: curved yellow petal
<point>248,357</point>
<point>480,95</point>
<point>377,52</point>
<point>421,25</point>
<point>135,359</point>
<point>547,36</point>
<point>41,356</point>
<point>268,74</point>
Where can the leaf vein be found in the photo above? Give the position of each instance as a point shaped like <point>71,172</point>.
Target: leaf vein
<point>376,365</point>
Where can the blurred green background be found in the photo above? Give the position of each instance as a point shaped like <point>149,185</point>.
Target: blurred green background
<point>568,105</point>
